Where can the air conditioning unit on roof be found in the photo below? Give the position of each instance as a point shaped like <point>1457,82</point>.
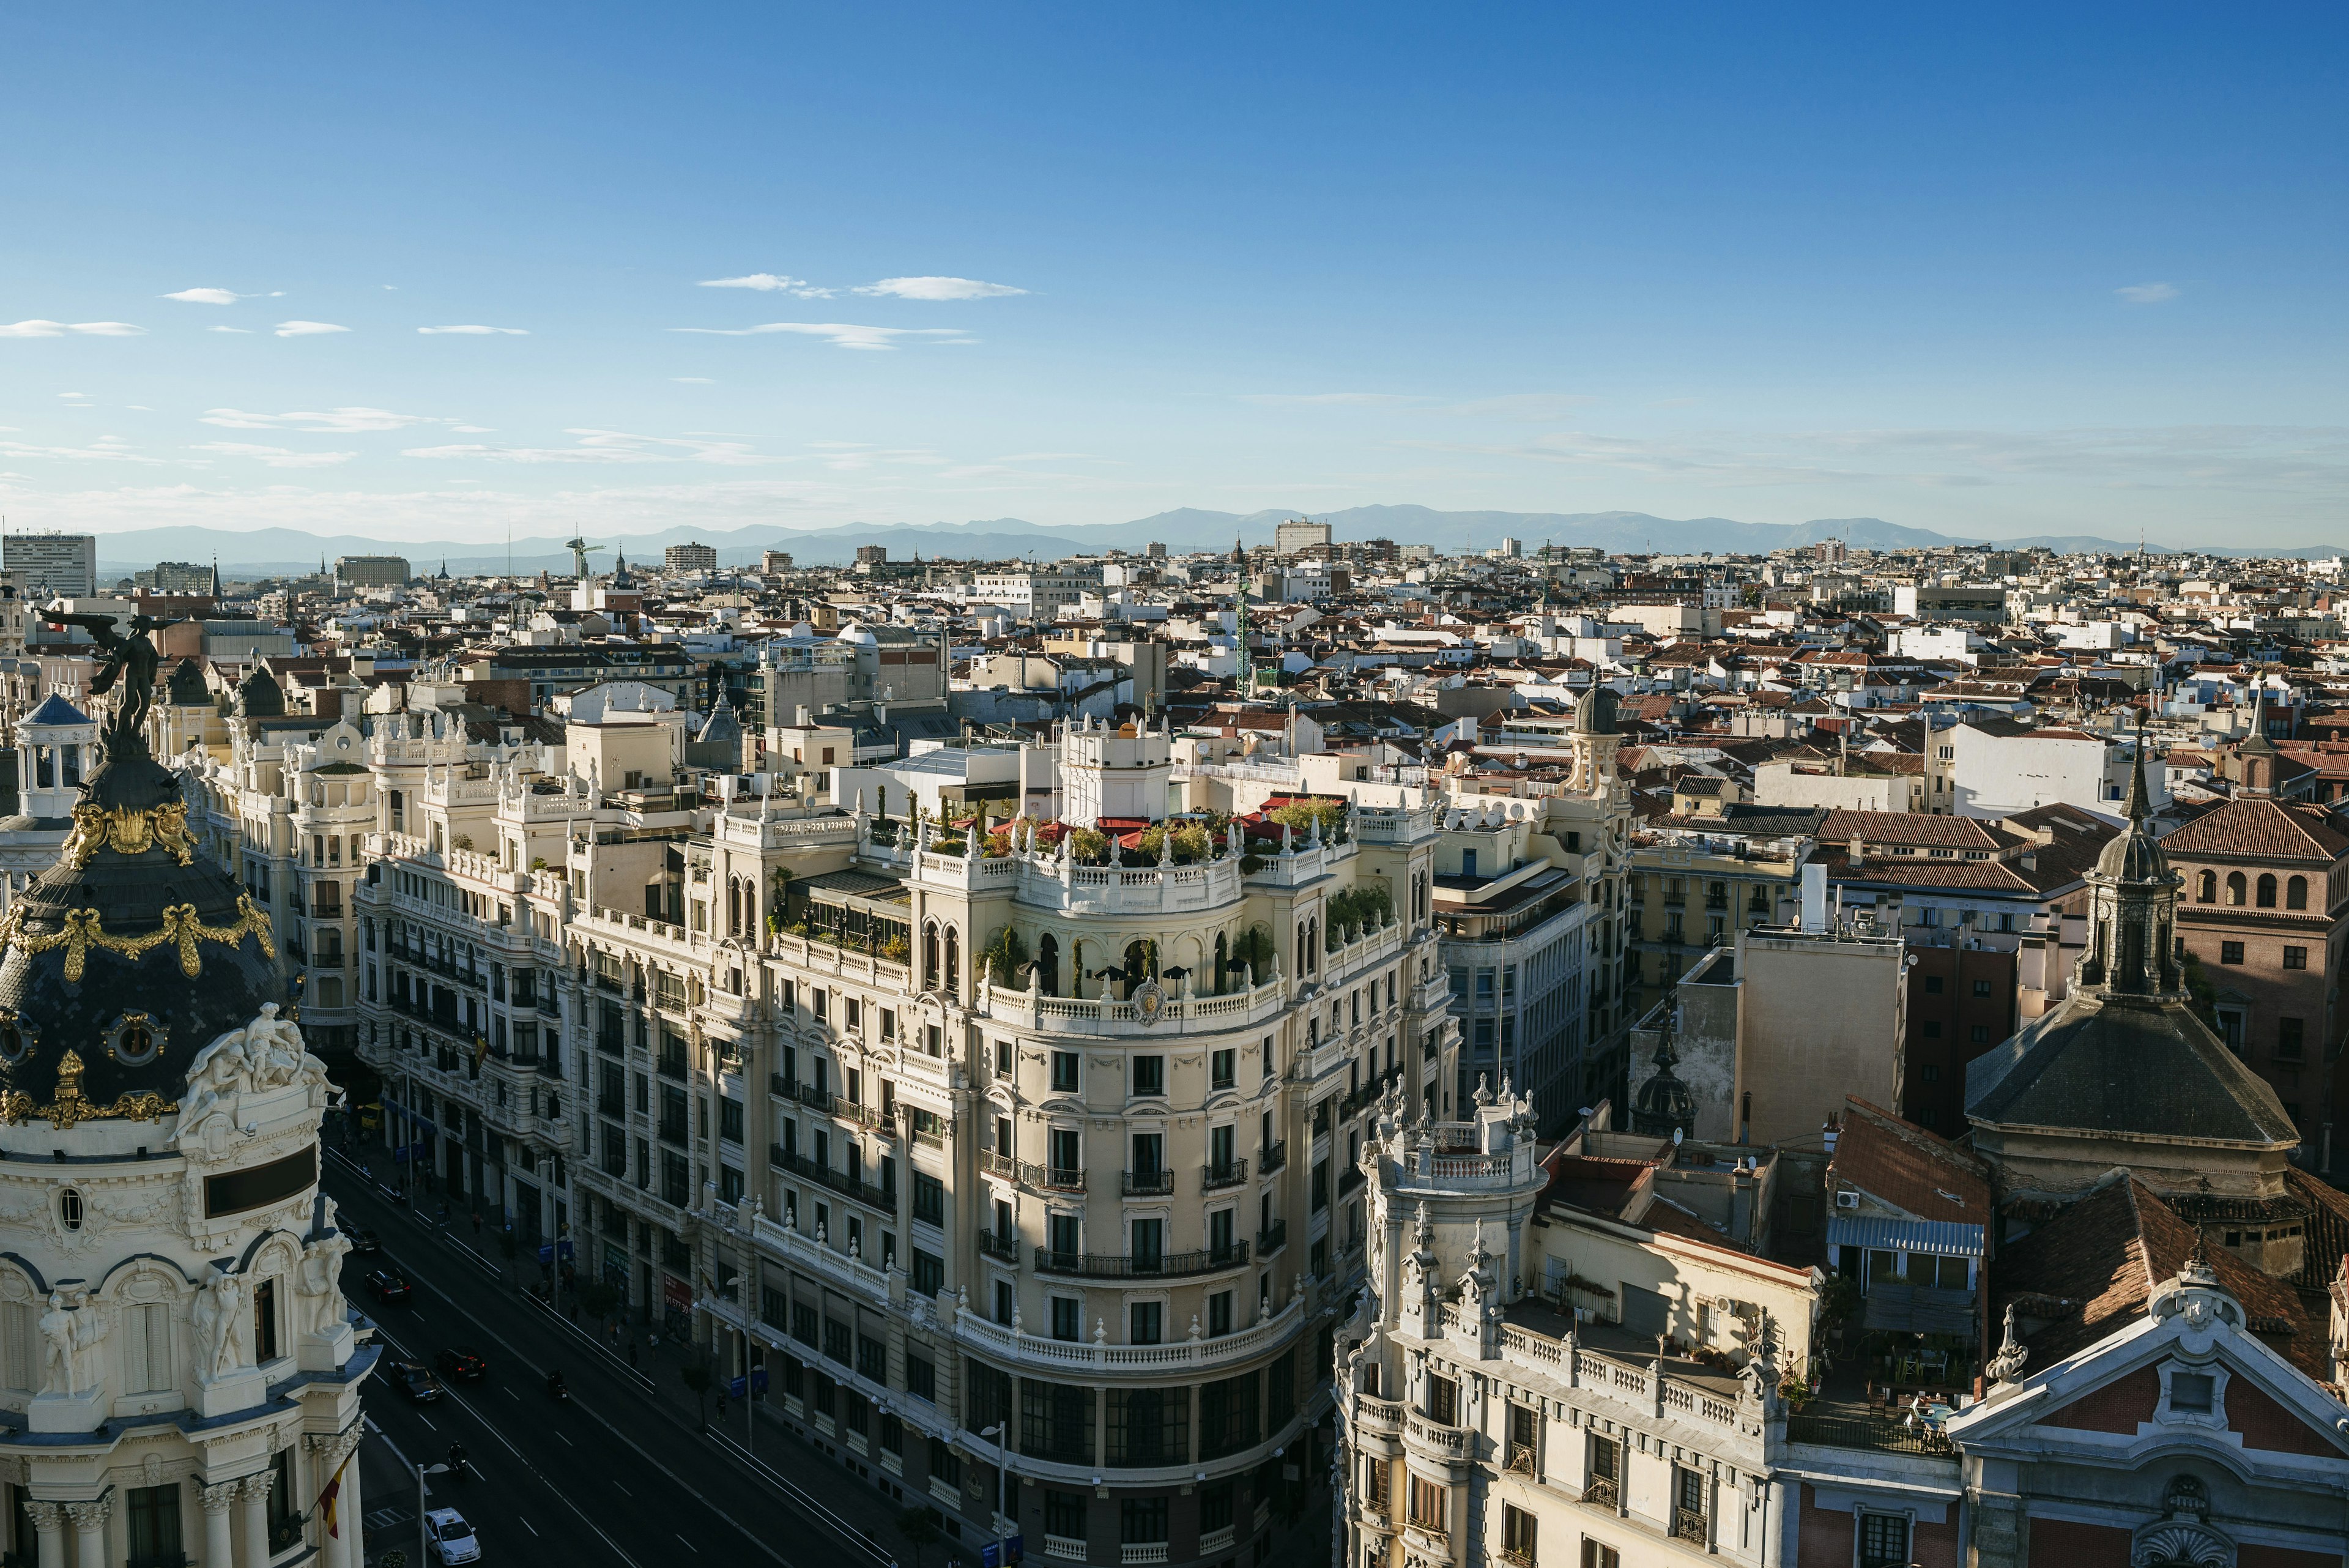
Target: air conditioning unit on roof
<point>1846,1199</point>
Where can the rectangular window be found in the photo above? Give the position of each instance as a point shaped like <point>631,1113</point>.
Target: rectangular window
<point>1064,1072</point>
<point>2289,1039</point>
<point>264,1321</point>
<point>1443,1401</point>
<point>2231,952</point>
<point>1883,1541</point>
<point>1149,1427</point>
<point>1516,1533</point>
<point>1223,1069</point>
<point>2295,958</point>
<point>943,1465</point>
<point>1596,1554</point>
<point>929,1272</point>
<point>922,1378</point>
<point>1428,1502</point>
<point>154,1524</point>
<point>1149,1075</point>
<point>1144,1322</point>
<point>1064,1514</point>
<point>148,1348</point>
<point>1142,1520</point>
<point>1068,1318</point>
<point>929,1199</point>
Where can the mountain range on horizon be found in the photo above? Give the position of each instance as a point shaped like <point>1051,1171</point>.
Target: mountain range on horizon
<point>277,552</point>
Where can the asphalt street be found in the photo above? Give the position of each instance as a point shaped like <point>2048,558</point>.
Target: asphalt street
<point>615,1474</point>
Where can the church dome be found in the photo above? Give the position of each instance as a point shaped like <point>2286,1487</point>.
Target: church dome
<point>2134,857</point>
<point>258,695</point>
<point>124,959</point>
<point>187,688</point>
<point>1594,714</point>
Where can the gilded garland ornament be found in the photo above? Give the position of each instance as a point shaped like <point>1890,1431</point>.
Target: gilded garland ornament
<point>72,1108</point>
<point>127,830</point>
<point>180,924</point>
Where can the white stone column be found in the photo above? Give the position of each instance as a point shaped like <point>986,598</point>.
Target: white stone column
<point>49,1527</point>
<point>252,1491</point>
<point>349,1511</point>
<point>90,1529</point>
<point>331,1455</point>
<point>220,1549</point>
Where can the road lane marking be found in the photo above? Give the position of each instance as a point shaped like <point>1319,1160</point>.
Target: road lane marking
<point>500,1340</point>
<point>420,1415</point>
<point>690,1546</point>
<point>525,1523</point>
<point>566,1441</point>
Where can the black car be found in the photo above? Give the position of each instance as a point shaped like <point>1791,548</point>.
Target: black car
<point>361,1239</point>
<point>412,1380</point>
<point>461,1362</point>
<point>386,1286</point>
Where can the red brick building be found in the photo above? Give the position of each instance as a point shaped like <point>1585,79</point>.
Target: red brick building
<point>2264,909</point>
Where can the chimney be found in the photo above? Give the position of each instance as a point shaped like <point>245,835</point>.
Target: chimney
<point>1858,851</point>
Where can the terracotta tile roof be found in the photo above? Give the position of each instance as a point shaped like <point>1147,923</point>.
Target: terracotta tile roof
<point>1904,1164</point>
<point>2258,827</point>
<point>1914,827</point>
<point>2090,1270</point>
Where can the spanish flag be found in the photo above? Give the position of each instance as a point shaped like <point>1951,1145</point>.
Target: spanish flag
<point>325,1505</point>
<point>480,1050</point>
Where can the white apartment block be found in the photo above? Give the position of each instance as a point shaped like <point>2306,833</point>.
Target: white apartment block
<point>52,565</point>
<point>941,1137</point>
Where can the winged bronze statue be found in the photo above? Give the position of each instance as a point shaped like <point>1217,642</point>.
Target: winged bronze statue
<point>131,660</point>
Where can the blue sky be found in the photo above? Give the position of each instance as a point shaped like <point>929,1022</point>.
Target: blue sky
<point>1988,271</point>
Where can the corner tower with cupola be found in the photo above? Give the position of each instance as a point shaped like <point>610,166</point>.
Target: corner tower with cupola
<point>179,1370</point>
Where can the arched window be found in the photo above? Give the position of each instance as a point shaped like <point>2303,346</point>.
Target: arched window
<point>2235,888</point>
<point>930,956</point>
<point>1048,964</point>
<point>2207,890</point>
<point>2295,893</point>
<point>1220,962</point>
<point>953,962</point>
<point>2267,889</point>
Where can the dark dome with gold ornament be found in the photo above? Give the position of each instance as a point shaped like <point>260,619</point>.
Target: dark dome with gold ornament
<point>131,953</point>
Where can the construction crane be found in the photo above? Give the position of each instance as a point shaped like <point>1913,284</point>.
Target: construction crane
<point>580,549</point>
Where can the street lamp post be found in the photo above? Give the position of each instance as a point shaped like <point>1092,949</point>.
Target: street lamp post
<point>1001,1433</point>
<point>423,1525</point>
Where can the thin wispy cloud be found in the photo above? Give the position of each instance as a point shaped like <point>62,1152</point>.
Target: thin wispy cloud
<point>771,283</point>
<point>606,447</point>
<point>937,288</point>
<point>307,328</point>
<point>275,456</point>
<point>1337,400</point>
<point>839,334</point>
<point>328,421</point>
<point>693,381</point>
<point>471,331</point>
<point>220,296</point>
<point>105,449</point>
<point>37,328</point>
<point>240,331</point>
<point>1524,406</point>
<point>2147,293</point>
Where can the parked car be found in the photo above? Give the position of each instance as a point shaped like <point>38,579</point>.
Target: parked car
<point>461,1362</point>
<point>451,1539</point>
<point>385,1286</point>
<point>411,1379</point>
